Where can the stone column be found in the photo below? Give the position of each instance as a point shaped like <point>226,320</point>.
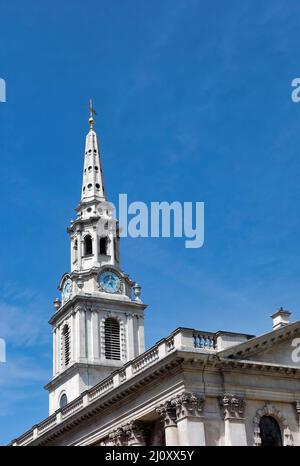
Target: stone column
<point>82,336</point>
<point>88,333</point>
<point>234,417</point>
<point>54,353</point>
<point>95,332</point>
<point>130,337</point>
<point>79,249</point>
<point>168,415</point>
<point>135,434</point>
<point>112,249</point>
<point>72,337</point>
<point>76,336</point>
<point>141,337</point>
<point>96,246</point>
<point>190,419</point>
<point>58,349</point>
<point>72,253</point>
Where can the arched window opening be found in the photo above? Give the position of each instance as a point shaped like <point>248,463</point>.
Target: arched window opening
<point>270,433</point>
<point>88,245</point>
<point>103,245</point>
<point>63,401</point>
<point>112,339</point>
<point>66,345</point>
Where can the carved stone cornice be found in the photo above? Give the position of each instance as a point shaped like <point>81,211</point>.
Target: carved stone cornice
<point>168,414</point>
<point>233,406</point>
<point>188,405</point>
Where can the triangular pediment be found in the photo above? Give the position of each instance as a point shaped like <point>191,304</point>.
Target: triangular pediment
<point>281,347</point>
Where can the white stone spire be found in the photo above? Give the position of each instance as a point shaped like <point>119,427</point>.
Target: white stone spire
<point>98,323</point>
<point>92,182</point>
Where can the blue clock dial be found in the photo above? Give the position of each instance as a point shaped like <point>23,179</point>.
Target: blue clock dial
<point>110,282</point>
<point>67,290</point>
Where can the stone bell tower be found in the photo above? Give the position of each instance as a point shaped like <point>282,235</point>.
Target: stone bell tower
<point>98,324</point>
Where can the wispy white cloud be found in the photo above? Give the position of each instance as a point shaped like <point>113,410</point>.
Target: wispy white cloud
<point>23,317</point>
<point>22,372</point>
<point>27,366</point>
<point>22,325</point>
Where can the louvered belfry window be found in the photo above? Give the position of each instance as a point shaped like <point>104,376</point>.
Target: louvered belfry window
<point>112,339</point>
<point>66,345</point>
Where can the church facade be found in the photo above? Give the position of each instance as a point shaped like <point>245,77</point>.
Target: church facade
<point>191,388</point>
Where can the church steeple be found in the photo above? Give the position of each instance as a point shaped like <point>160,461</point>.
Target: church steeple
<point>92,182</point>
<point>93,242</point>
<point>98,323</point>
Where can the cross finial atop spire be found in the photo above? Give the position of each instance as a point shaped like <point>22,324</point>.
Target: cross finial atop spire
<point>92,113</point>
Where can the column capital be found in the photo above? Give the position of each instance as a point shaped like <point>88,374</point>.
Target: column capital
<point>188,405</point>
<point>118,437</point>
<point>134,433</point>
<point>233,406</point>
<point>168,414</point>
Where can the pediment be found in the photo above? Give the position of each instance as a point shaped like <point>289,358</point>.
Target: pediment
<point>281,347</point>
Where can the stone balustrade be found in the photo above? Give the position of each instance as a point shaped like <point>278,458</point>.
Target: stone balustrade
<point>47,424</point>
<point>180,339</point>
<point>143,361</point>
<point>25,438</point>
<point>204,340</point>
<point>72,408</point>
<point>100,388</point>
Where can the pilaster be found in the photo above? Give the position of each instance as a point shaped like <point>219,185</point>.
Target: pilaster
<point>130,338</point>
<point>233,408</point>
<point>168,414</point>
<point>190,419</point>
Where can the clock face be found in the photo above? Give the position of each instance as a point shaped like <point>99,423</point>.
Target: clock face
<point>67,290</point>
<point>110,282</point>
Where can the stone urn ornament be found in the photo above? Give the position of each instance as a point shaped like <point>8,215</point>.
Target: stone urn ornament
<point>137,291</point>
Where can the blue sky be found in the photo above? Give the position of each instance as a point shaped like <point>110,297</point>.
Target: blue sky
<point>194,104</point>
